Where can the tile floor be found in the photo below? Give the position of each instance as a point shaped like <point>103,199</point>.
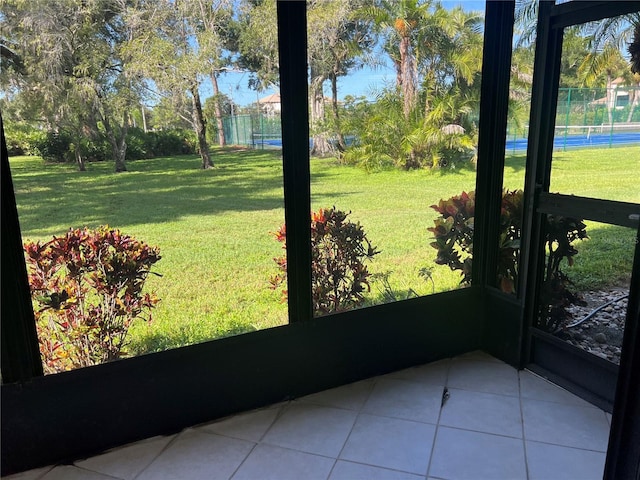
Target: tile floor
<point>497,423</point>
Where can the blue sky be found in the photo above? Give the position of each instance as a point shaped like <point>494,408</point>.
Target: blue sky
<point>360,82</point>
<point>363,82</point>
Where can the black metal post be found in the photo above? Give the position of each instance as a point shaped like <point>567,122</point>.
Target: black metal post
<point>20,352</point>
<point>292,48</point>
<point>492,136</point>
<point>538,167</point>
<point>623,454</point>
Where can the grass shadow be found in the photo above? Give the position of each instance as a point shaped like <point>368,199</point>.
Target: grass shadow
<point>152,341</point>
<point>515,163</point>
<point>152,191</point>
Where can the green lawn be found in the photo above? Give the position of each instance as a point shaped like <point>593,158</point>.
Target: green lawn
<point>214,227</point>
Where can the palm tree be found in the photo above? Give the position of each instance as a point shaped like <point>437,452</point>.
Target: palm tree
<point>606,39</point>
<point>450,55</point>
<point>634,50</point>
<point>604,67</point>
<point>437,53</point>
<point>401,21</point>
<point>633,81</point>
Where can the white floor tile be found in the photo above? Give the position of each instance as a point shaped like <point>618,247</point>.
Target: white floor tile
<point>563,463</point>
<point>478,355</point>
<point>482,412</point>
<point>480,376</point>
<point>351,396</point>
<point>461,454</point>
<point>34,474</point>
<point>268,462</point>
<point>312,429</point>
<point>196,455</point>
<point>126,462</point>
<point>537,388</point>
<point>246,426</point>
<point>390,443</point>
<point>357,471</point>
<point>67,472</point>
<point>567,425</point>
<point>382,429</point>
<point>430,374</point>
<point>407,400</point>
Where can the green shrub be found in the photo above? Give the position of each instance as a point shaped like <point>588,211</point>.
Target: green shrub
<point>385,137</point>
<point>454,229</point>
<point>22,138</point>
<point>453,235</point>
<point>87,290</point>
<point>55,147</point>
<point>190,140</point>
<point>555,295</point>
<point>339,248</point>
<point>139,144</point>
<point>173,142</point>
<point>97,149</point>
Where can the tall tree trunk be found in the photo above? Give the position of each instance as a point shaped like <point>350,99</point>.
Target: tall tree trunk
<point>634,98</point>
<point>79,159</point>
<point>398,66</point>
<point>342,145</point>
<point>611,99</point>
<point>118,143</point>
<point>222,141</point>
<point>200,127</point>
<point>408,76</point>
<point>320,143</point>
<point>144,120</point>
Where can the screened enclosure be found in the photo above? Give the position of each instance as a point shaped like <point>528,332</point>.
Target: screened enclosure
<point>53,418</point>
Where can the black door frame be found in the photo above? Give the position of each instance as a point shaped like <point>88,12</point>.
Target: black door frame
<point>623,453</point>
<point>585,374</point>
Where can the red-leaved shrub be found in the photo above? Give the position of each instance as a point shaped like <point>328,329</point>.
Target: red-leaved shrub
<point>339,248</point>
<point>87,290</point>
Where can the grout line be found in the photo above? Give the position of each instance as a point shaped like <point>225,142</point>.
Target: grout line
<point>82,469</point>
<point>319,403</point>
<point>48,468</point>
<point>296,450</point>
<point>335,461</point>
<point>435,433</point>
<point>563,404</point>
<point>243,461</point>
<point>483,392</point>
<point>580,403</point>
<point>162,450</point>
<point>391,469</point>
<point>483,432</point>
<point>278,415</point>
<point>371,386</point>
<point>357,417</point>
<point>568,446</point>
<point>524,439</point>
<point>402,419</point>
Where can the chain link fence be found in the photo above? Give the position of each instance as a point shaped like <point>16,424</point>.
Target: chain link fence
<point>589,117</point>
<point>253,130</point>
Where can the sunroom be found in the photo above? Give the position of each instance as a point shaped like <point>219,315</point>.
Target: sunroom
<point>472,343</point>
